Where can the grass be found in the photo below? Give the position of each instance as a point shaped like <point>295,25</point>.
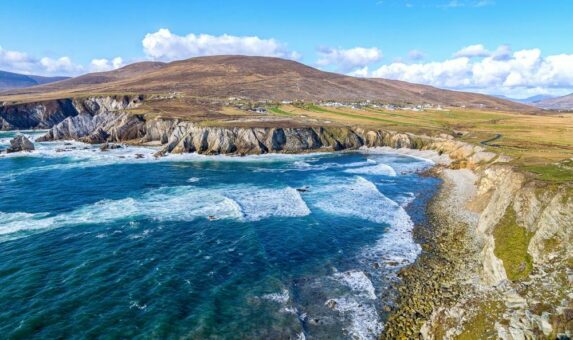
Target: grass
<point>536,143</point>
<point>511,242</point>
<point>551,173</point>
<point>559,172</point>
<point>482,324</point>
<point>280,112</point>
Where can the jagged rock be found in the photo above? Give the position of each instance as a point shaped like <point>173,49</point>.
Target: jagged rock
<point>20,143</point>
<point>331,304</point>
<point>109,146</point>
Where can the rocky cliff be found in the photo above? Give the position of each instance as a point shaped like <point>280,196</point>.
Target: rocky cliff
<point>105,119</point>
<point>498,263</point>
<point>47,114</point>
<point>501,263</point>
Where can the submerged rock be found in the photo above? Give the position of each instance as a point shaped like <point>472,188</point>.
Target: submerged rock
<point>109,146</point>
<point>20,143</point>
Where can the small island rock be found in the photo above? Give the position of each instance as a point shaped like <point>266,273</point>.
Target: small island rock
<point>20,143</point>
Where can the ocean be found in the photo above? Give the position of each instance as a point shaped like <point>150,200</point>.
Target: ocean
<point>118,244</point>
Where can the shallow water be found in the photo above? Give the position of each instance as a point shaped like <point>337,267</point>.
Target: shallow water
<point>118,244</point>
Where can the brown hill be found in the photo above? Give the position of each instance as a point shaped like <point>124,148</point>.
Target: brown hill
<point>560,103</point>
<point>10,80</point>
<point>256,78</point>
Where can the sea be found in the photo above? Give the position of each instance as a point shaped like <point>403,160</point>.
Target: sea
<point>120,244</point>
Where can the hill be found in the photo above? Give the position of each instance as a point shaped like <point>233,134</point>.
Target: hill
<point>559,103</point>
<point>10,80</point>
<point>529,100</point>
<point>255,78</point>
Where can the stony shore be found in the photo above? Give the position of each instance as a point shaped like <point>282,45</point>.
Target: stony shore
<point>458,288</point>
<point>497,260</point>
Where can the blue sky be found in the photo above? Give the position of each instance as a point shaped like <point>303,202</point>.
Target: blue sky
<point>413,40</point>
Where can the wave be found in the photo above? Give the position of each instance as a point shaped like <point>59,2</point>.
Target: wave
<point>355,198</point>
<point>358,282</point>
<point>259,204</point>
<point>378,169</point>
<point>361,198</point>
<point>363,318</point>
<point>184,203</point>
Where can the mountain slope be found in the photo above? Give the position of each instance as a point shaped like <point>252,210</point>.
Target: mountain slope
<point>559,103</point>
<point>256,78</point>
<point>10,80</point>
<point>529,100</point>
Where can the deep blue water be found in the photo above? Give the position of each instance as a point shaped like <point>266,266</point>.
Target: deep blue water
<point>105,244</point>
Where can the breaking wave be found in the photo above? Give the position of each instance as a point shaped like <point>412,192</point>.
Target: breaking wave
<point>184,203</point>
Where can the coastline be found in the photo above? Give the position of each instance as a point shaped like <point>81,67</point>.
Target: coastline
<point>459,286</point>
<point>460,283</point>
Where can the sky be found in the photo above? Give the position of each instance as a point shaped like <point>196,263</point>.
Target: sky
<point>516,48</point>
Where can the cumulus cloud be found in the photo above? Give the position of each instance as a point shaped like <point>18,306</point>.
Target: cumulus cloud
<point>479,51</point>
<point>500,71</point>
<point>16,61</point>
<point>468,3</point>
<point>63,65</point>
<point>101,65</point>
<point>348,59</point>
<point>20,62</point>
<point>164,45</point>
<point>361,72</point>
<point>472,51</point>
<point>416,55</point>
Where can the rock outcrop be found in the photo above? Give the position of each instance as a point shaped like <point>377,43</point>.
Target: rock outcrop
<point>180,136</point>
<point>49,113</point>
<point>518,230</point>
<point>20,143</point>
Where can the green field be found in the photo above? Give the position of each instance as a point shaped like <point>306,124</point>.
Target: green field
<point>540,144</point>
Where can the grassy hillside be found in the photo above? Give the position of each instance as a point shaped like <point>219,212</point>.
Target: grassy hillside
<point>540,144</point>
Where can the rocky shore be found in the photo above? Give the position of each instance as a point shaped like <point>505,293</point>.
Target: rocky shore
<point>496,261</point>
<point>469,283</point>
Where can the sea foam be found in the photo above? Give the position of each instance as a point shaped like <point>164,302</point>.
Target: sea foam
<point>183,203</point>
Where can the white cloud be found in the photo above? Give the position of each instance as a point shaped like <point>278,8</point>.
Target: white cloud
<point>101,65</point>
<point>473,51</point>
<point>16,61</point>
<point>20,62</point>
<point>468,3</point>
<point>348,59</point>
<point>164,45</point>
<point>63,65</point>
<point>416,55</point>
<point>479,51</point>
<point>361,72</point>
<point>517,73</point>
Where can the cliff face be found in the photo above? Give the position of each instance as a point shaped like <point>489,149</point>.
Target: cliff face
<point>519,230</point>
<point>516,277</point>
<point>47,114</point>
<point>105,119</point>
<point>36,115</point>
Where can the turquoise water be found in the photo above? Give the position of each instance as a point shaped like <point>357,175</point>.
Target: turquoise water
<point>119,244</point>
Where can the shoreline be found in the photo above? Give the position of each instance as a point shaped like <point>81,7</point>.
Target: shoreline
<point>460,282</point>
<point>463,284</point>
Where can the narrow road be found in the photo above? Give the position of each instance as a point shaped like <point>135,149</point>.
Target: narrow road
<point>487,141</point>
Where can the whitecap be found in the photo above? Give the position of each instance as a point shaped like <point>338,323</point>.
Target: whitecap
<point>257,204</point>
<point>361,198</point>
<point>357,281</point>
<point>364,322</point>
<point>378,169</point>
<point>281,297</point>
<point>183,203</point>
<point>355,198</point>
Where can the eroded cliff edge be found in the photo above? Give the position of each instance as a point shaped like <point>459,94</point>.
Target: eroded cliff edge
<point>497,261</point>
